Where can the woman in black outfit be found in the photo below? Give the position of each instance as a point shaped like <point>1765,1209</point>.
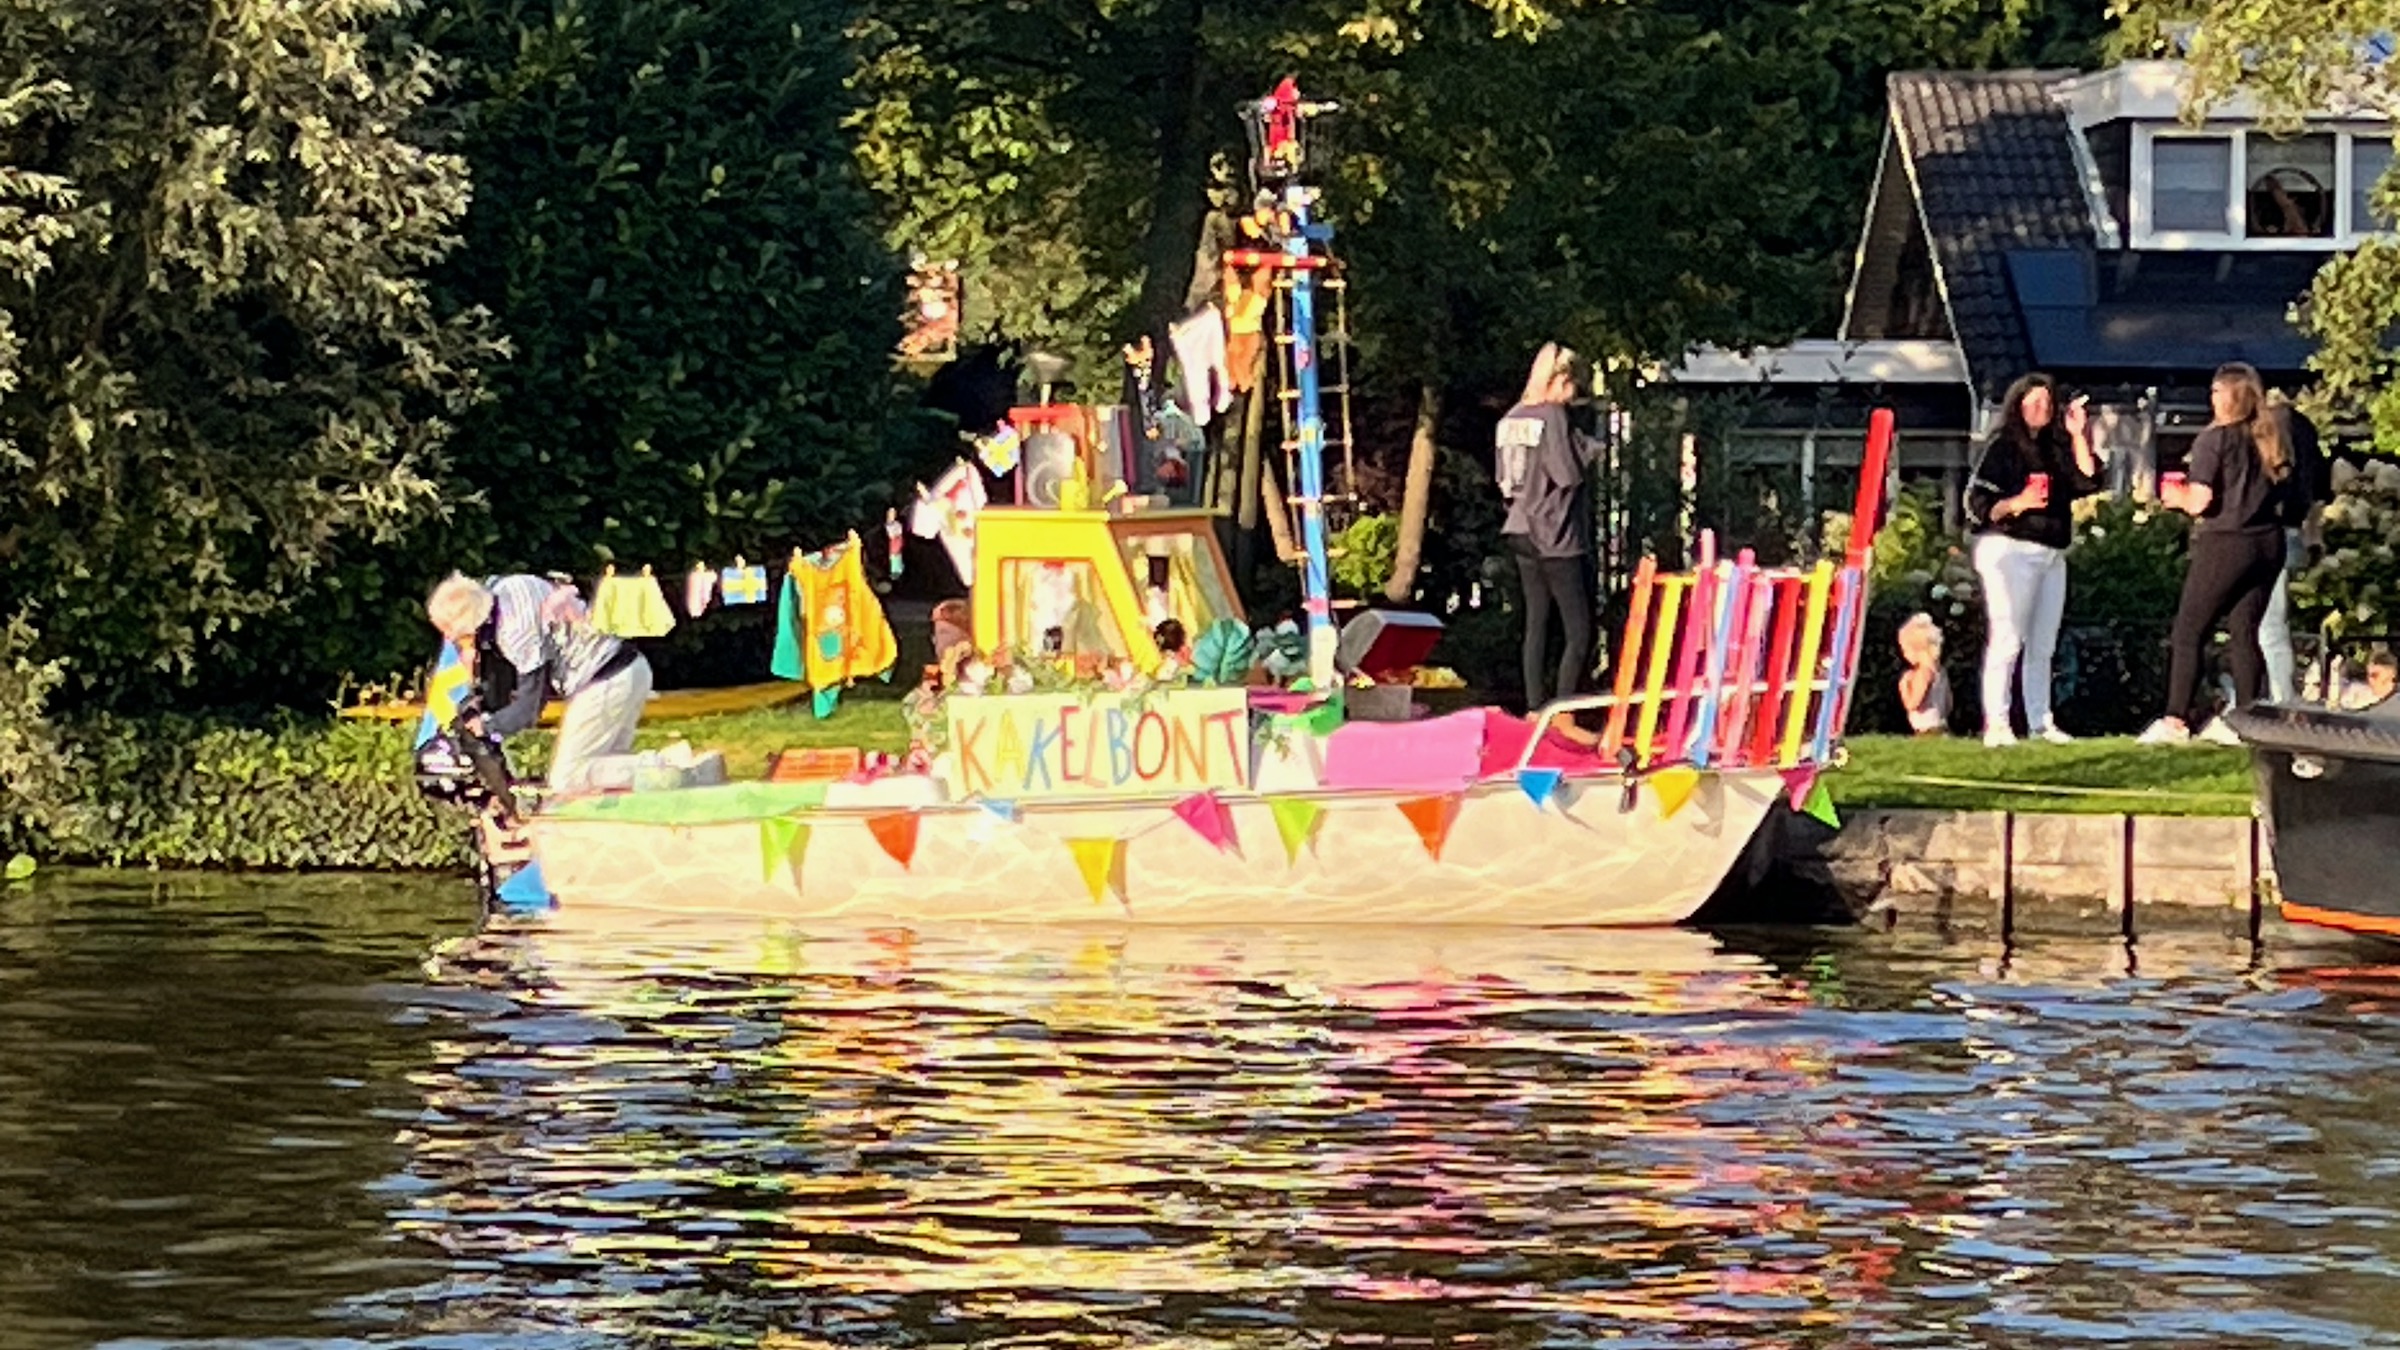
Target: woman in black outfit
<point>2238,487</point>
<point>1542,465</point>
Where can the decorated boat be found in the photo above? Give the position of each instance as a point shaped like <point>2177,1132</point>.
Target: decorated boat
<point>2329,795</point>
<point>1301,786</point>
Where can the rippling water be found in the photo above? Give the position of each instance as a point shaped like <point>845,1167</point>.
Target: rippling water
<point>328,1113</point>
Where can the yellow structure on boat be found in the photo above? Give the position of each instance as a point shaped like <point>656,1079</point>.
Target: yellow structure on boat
<point>1095,583</point>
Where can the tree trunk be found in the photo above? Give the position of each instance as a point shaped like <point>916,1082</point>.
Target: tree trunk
<point>1279,516</point>
<point>1179,196</point>
<point>1416,496</point>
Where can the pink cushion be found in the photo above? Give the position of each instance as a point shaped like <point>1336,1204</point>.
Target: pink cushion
<point>1439,754</point>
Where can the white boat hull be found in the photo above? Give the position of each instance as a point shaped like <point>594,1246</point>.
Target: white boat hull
<point>1580,860</point>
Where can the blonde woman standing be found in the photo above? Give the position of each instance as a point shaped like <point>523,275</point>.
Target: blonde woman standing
<point>1541,465</point>
<point>2238,489</point>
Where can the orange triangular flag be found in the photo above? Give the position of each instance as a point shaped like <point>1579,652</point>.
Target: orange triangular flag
<point>1432,817</point>
<point>1102,863</point>
<point>897,833</point>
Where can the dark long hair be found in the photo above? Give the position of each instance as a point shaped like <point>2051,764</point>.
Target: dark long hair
<point>2013,427</point>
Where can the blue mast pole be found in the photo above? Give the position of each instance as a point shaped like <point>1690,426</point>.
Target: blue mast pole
<point>1316,589</point>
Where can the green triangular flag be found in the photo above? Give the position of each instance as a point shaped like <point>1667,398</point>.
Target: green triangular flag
<point>781,842</point>
<point>1295,817</point>
<point>1820,807</point>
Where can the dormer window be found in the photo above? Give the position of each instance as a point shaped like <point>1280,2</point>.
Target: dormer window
<point>2224,187</point>
<point>2291,187</point>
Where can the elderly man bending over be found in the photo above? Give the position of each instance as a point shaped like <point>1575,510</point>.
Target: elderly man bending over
<point>537,630</point>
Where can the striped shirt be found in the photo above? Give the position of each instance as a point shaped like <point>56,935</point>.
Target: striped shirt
<point>545,640</point>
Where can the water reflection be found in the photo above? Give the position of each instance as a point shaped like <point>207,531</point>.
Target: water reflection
<point>716,1138</point>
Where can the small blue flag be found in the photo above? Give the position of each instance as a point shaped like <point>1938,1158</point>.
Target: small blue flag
<point>525,893</point>
<point>1539,784</point>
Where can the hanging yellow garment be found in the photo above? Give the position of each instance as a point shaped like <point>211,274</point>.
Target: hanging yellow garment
<point>631,607</point>
<point>848,636</point>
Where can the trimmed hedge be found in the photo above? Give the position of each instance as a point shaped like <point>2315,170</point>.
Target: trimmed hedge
<point>174,792</point>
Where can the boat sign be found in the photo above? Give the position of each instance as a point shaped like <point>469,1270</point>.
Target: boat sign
<point>1025,747</point>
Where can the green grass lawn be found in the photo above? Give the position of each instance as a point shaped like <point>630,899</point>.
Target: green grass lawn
<point>2105,776</point>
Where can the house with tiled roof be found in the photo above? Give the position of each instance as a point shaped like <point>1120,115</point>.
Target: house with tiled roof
<point>2066,222</point>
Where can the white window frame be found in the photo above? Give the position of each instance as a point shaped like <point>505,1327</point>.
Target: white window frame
<point>2346,235</point>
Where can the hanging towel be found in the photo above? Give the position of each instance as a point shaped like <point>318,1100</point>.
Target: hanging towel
<point>697,588</point>
<point>847,634</point>
<point>787,663</point>
<point>630,607</point>
<point>947,511</point>
<point>1199,343</point>
<point>744,584</point>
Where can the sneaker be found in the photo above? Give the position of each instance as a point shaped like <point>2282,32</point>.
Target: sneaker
<point>1998,737</point>
<point>2165,731</point>
<point>2052,734</point>
<point>2217,733</point>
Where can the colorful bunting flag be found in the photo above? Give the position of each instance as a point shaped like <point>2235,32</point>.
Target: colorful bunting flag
<point>897,833</point>
<point>1003,811</point>
<point>525,892</point>
<point>1295,820</point>
<point>1102,863</point>
<point>1209,818</point>
<point>1820,807</point>
<point>1674,787</point>
<point>444,692</point>
<point>1799,784</point>
<point>1540,784</point>
<point>782,842</point>
<point>1432,817</point>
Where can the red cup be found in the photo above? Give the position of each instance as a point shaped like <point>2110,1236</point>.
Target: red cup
<point>2038,483</point>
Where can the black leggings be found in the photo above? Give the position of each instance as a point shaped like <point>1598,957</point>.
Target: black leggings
<point>2229,578</point>
<point>1563,583</point>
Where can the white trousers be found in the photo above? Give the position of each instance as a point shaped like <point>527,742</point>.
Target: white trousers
<point>2025,597</point>
<point>2275,628</point>
<point>595,737</point>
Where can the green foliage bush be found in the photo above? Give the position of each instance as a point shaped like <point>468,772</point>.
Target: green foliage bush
<point>1363,554</point>
<point>178,792</point>
<point>669,227</point>
<point>2354,588</point>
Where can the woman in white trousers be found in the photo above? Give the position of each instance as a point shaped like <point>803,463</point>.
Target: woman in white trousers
<point>2019,506</point>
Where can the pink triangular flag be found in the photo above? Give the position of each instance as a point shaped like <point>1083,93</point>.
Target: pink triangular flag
<point>1209,818</point>
<point>1797,783</point>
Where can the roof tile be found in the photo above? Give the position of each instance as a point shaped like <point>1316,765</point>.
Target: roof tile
<point>1994,169</point>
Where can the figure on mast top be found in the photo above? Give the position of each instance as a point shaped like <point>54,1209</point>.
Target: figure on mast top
<point>1280,134</point>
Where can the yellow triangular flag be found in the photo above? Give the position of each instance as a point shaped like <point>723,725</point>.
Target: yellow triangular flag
<point>1295,819</point>
<point>783,842</point>
<point>1102,863</point>
<point>1673,788</point>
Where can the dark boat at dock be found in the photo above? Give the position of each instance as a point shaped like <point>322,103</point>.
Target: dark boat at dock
<point>2329,790</point>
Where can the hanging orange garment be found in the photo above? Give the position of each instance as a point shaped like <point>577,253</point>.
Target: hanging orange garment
<point>848,636</point>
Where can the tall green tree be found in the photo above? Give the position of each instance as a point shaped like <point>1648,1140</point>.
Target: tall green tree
<point>2294,57</point>
<point>219,365</point>
<point>671,232</point>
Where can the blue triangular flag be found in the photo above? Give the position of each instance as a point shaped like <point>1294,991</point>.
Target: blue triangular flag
<point>824,701</point>
<point>525,892</point>
<point>1539,784</point>
<point>1002,810</point>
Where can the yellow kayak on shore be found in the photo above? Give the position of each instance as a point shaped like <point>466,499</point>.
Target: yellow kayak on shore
<point>670,705</point>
